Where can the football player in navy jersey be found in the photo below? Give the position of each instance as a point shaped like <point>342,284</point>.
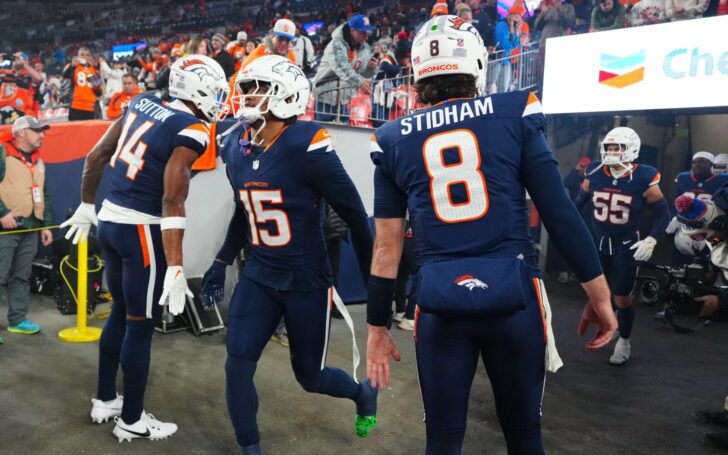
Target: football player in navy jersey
<point>619,190</point>
<point>150,152</point>
<point>462,167</point>
<point>280,169</point>
<point>701,183</point>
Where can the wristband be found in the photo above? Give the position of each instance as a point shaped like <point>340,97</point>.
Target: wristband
<point>173,222</point>
<point>379,300</point>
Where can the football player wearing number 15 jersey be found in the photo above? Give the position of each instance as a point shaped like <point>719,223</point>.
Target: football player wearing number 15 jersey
<point>462,168</point>
<point>620,189</point>
<point>150,151</point>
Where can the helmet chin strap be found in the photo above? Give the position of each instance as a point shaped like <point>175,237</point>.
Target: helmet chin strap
<point>620,171</point>
<point>251,116</point>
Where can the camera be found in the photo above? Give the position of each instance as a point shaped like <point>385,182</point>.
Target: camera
<point>677,287</point>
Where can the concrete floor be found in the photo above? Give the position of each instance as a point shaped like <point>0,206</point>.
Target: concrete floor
<point>590,407</point>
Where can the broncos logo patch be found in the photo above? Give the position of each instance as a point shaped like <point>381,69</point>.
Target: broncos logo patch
<point>288,67</point>
<point>199,68</point>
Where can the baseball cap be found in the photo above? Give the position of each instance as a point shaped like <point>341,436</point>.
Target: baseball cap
<point>242,36</point>
<point>705,155</point>
<point>360,22</point>
<point>285,28</point>
<point>29,122</point>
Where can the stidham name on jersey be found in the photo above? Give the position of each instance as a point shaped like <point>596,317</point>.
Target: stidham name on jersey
<point>153,110</point>
<point>446,115</point>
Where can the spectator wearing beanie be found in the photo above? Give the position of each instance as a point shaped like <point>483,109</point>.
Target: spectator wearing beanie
<point>608,15</point>
<point>221,56</point>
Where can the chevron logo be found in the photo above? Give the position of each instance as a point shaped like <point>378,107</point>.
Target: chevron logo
<point>620,72</point>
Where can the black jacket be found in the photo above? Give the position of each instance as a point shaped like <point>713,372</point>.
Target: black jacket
<point>227,62</point>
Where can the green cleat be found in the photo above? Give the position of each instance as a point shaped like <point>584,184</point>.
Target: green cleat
<point>364,425</point>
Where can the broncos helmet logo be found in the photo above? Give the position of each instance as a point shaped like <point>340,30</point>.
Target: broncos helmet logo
<point>461,25</point>
<point>288,67</point>
<point>470,282</point>
<point>198,67</point>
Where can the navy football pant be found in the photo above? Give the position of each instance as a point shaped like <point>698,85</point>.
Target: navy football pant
<point>512,348</point>
<point>620,268</point>
<point>254,314</point>
<point>135,266</point>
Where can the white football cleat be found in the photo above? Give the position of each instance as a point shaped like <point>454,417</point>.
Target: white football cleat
<point>147,427</point>
<point>622,351</point>
<point>102,411</point>
<point>397,317</point>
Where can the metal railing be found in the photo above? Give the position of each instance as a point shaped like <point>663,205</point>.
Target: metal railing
<point>391,98</point>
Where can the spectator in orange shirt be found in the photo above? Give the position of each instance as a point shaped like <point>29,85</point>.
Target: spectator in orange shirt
<point>86,85</point>
<point>238,49</point>
<point>19,89</point>
<point>120,100</point>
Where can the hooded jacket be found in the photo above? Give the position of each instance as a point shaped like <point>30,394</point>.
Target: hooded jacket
<point>344,64</point>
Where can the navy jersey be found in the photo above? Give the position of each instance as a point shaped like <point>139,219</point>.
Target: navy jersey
<point>618,202</point>
<point>150,132</point>
<point>689,184</point>
<point>279,190</point>
<point>457,168</point>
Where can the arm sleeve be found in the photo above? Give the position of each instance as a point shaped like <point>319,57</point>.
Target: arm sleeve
<point>662,218</point>
<point>327,176</point>
<point>389,200</point>
<point>582,199</point>
<point>541,178</point>
<point>236,237</point>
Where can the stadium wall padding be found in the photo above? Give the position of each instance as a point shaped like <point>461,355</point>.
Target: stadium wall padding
<point>209,204</point>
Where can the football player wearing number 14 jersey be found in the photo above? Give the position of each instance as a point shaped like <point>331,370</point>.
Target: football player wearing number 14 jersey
<point>619,189</point>
<point>462,167</point>
<point>150,152</point>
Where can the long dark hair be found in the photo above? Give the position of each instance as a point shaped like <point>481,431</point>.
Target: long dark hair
<point>435,89</point>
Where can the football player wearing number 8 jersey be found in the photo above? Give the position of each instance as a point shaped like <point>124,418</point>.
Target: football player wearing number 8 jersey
<point>619,189</point>
<point>150,152</point>
<point>280,170</point>
<point>462,167</point>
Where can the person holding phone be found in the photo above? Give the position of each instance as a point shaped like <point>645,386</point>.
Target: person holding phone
<point>21,82</point>
<point>86,85</point>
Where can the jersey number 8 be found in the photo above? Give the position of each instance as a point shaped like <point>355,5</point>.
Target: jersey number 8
<point>465,172</point>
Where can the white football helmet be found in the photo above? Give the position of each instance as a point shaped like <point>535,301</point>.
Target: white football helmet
<point>629,144</point>
<point>721,163</point>
<point>281,85</point>
<point>449,45</point>
<point>200,80</point>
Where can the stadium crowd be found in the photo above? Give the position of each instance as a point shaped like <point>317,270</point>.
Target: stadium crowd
<point>44,42</point>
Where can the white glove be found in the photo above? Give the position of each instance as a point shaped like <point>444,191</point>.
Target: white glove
<point>644,248</point>
<point>175,291</point>
<point>673,226</point>
<point>80,223</point>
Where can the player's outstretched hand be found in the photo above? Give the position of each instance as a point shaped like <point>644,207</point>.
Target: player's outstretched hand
<point>380,346</point>
<point>175,291</point>
<point>80,223</point>
<point>598,311</point>
<point>213,285</point>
